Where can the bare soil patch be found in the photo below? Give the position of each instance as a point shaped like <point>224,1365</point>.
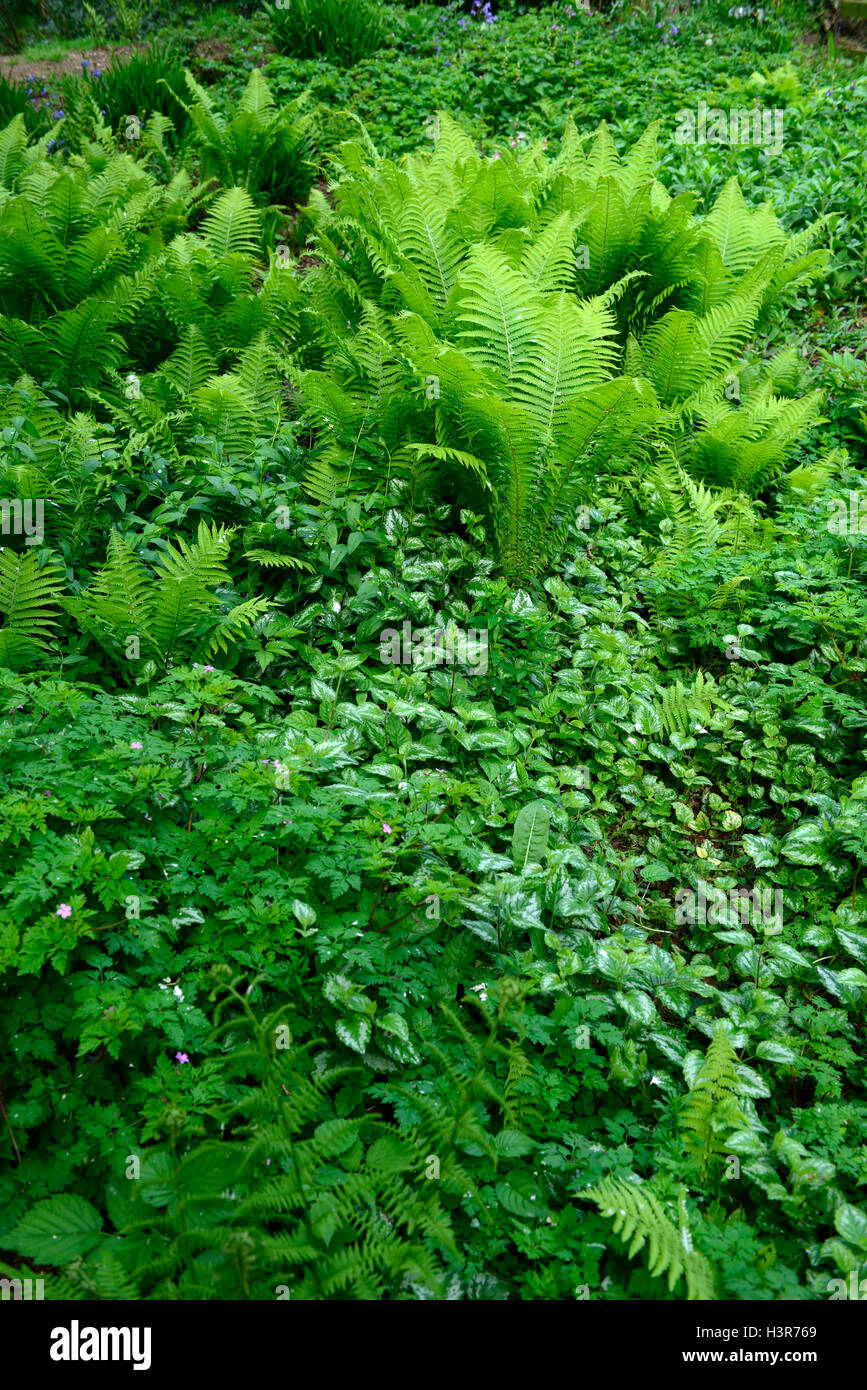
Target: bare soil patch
<point>17,70</point>
<point>210,54</point>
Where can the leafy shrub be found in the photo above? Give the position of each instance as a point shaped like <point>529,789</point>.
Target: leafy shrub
<point>344,31</point>
<point>207,1220</point>
<point>291,868</point>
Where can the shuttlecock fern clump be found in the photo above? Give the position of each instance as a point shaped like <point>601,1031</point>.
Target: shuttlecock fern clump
<point>542,326</point>
<point>79,257</point>
<point>259,147</point>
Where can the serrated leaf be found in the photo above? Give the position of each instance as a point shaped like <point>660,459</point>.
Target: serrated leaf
<point>303,913</point>
<point>354,1032</point>
<point>845,985</point>
<point>855,943</point>
<point>804,844</point>
<point>751,1084</point>
<point>395,1024</point>
<point>57,1230</point>
<point>158,1179</point>
<point>516,1203</point>
<point>692,1065</point>
<point>511,1143</point>
<point>391,1155</point>
<point>762,849</point>
<point>208,1170</point>
<point>781,950</point>
<point>638,1005</point>
<point>188,916</point>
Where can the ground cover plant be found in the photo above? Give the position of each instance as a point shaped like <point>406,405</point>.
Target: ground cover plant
<point>431,613</point>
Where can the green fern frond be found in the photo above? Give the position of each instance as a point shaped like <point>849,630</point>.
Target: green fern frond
<point>232,225</point>
<point>726,327</point>
<point>521,1092</point>
<point>236,624</point>
<point>275,559</point>
<point>191,364</point>
<point>712,1108</point>
<point>680,708</point>
<point>641,1219</point>
<point>13,145</point>
<point>549,261</point>
<point>741,236</point>
<point>323,481</point>
<point>28,596</point>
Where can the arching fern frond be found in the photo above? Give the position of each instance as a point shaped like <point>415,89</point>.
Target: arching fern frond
<point>640,1218</point>
<point>28,596</point>
<point>712,1108</point>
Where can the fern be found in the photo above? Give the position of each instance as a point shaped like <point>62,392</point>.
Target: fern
<point>232,225</point>
<point>174,611</point>
<point>274,559</point>
<point>452,321</point>
<point>641,1219</point>
<point>681,708</point>
<point>521,1092</point>
<point>79,252</point>
<point>712,1110</point>
<point>28,596</point>
<point>13,152</point>
<point>257,1214</point>
<point>259,147</point>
